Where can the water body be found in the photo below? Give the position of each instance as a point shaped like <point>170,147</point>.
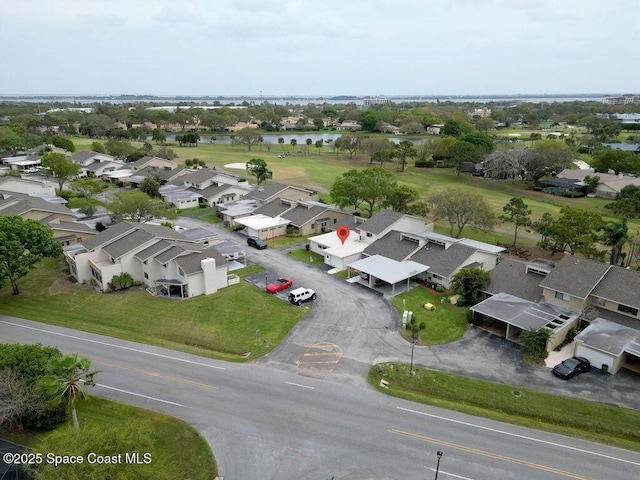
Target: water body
<point>259,100</point>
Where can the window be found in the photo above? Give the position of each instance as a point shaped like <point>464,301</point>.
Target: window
<point>146,275</point>
<point>563,296</point>
<point>369,234</point>
<point>335,220</point>
<point>181,272</point>
<point>629,310</point>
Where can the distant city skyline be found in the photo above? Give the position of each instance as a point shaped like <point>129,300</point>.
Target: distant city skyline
<point>237,48</point>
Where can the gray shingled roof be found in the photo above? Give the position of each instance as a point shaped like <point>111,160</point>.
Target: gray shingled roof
<point>162,231</point>
<point>268,192</point>
<point>381,220</point>
<point>108,235</point>
<point>275,208</point>
<point>575,276</point>
<point>127,243</point>
<point>190,263</point>
<point>141,161</point>
<point>211,190</point>
<point>621,286</point>
<point>393,246</point>
<point>83,155</point>
<point>301,214</point>
<point>200,176</point>
<point>443,261</point>
<point>154,249</point>
<point>72,226</point>
<point>510,276</point>
<point>28,203</point>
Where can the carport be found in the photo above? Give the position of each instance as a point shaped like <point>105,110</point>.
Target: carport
<point>518,314</point>
<point>387,270</point>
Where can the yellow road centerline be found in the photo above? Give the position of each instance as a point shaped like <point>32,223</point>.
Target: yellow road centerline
<point>158,374</point>
<point>489,454</point>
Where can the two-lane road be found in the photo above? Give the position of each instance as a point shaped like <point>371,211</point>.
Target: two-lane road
<point>274,424</point>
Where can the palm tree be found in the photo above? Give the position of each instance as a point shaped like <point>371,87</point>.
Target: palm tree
<point>615,234</point>
<point>65,382</point>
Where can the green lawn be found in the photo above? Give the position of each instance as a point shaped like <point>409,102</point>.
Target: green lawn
<point>320,171</point>
<point>219,326</point>
<point>308,257</point>
<point>177,448</point>
<point>447,323</point>
<point>566,416</point>
<point>210,217</point>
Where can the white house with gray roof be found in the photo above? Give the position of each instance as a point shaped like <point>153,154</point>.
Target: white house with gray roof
<point>167,262</point>
<point>204,187</point>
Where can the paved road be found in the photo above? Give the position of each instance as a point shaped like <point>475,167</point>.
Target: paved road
<point>269,423</point>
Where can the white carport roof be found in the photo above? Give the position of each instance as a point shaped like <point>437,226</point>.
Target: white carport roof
<point>519,312</point>
<point>260,222</point>
<point>119,174</point>
<point>388,270</point>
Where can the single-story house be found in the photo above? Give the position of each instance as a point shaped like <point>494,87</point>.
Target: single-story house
<point>336,253</point>
<point>238,209</point>
<point>609,186</point>
<point>263,226</point>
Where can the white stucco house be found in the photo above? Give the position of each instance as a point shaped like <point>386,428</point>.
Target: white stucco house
<point>167,262</point>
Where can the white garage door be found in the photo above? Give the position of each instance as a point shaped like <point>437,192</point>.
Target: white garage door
<point>595,357</point>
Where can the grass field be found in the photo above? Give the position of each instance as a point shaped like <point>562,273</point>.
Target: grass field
<point>578,418</point>
<point>320,171</point>
<point>209,325</point>
<point>447,323</point>
<point>177,449</point>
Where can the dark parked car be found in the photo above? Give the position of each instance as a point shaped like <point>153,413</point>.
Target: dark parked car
<point>256,242</point>
<point>571,367</point>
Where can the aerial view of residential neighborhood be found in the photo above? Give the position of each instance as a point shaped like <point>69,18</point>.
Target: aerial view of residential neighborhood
<point>217,270</point>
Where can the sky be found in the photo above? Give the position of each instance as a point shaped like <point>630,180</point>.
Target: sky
<point>319,47</point>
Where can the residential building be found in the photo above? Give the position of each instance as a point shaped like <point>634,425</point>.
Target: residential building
<point>53,213</point>
<point>264,195</point>
<point>95,164</point>
<point>609,185</point>
<point>599,299</point>
<point>167,262</point>
<point>204,187</point>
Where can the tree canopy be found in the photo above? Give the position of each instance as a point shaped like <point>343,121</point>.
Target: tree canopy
<point>60,166</point>
<point>247,136</point>
<point>370,187</point>
<point>137,206</point>
<point>518,213</point>
<point>258,168</point>
<point>469,282</point>
<point>461,208</point>
<point>23,243</point>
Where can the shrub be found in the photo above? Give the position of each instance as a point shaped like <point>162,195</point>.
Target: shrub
<point>439,289</point>
<point>424,163</point>
<point>423,325</point>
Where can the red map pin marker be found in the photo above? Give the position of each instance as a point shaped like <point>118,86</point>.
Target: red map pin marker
<point>343,233</point>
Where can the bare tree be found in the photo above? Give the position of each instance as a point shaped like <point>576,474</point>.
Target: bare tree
<point>507,161</point>
<point>15,398</point>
